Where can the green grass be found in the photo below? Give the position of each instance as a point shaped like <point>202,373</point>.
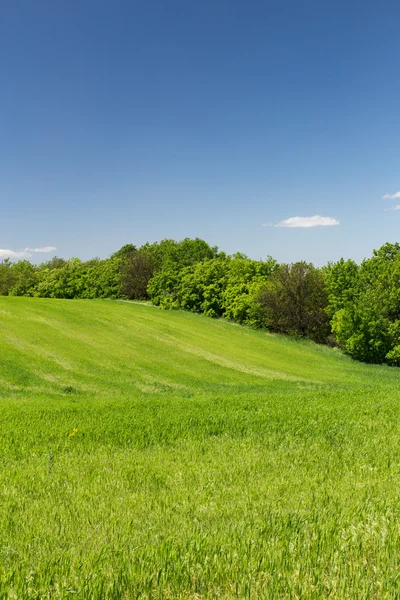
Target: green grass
<point>151,454</point>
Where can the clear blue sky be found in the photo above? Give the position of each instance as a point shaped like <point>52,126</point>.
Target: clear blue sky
<point>128,121</point>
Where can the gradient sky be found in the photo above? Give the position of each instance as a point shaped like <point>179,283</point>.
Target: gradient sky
<point>128,121</point>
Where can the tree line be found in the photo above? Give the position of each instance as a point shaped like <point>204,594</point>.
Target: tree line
<point>353,306</point>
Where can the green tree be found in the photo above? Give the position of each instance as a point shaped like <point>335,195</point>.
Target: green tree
<point>367,326</point>
<point>7,277</point>
<point>342,284</point>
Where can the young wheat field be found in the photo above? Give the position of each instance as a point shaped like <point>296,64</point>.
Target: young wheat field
<point>151,454</point>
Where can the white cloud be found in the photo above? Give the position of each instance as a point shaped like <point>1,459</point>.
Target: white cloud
<point>26,253</point>
<point>43,249</point>
<point>395,196</point>
<point>397,207</point>
<point>315,221</point>
<point>11,254</point>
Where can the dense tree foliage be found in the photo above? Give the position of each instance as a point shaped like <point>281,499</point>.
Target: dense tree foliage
<point>366,321</point>
<point>223,286</point>
<point>136,271</point>
<point>356,307</point>
<point>294,300</point>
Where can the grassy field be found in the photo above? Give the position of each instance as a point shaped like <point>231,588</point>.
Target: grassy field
<point>151,454</point>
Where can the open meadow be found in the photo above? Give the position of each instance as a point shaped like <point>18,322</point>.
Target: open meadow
<point>153,454</point>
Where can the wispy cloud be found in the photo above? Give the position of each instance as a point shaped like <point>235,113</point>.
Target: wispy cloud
<point>11,254</point>
<point>314,221</point>
<point>395,196</point>
<point>43,249</point>
<point>397,207</point>
<point>26,253</point>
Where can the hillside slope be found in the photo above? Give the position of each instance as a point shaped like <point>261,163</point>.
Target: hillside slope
<point>103,348</point>
<point>150,454</point>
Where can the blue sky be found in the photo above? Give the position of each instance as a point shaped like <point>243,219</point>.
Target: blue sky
<point>127,121</point>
